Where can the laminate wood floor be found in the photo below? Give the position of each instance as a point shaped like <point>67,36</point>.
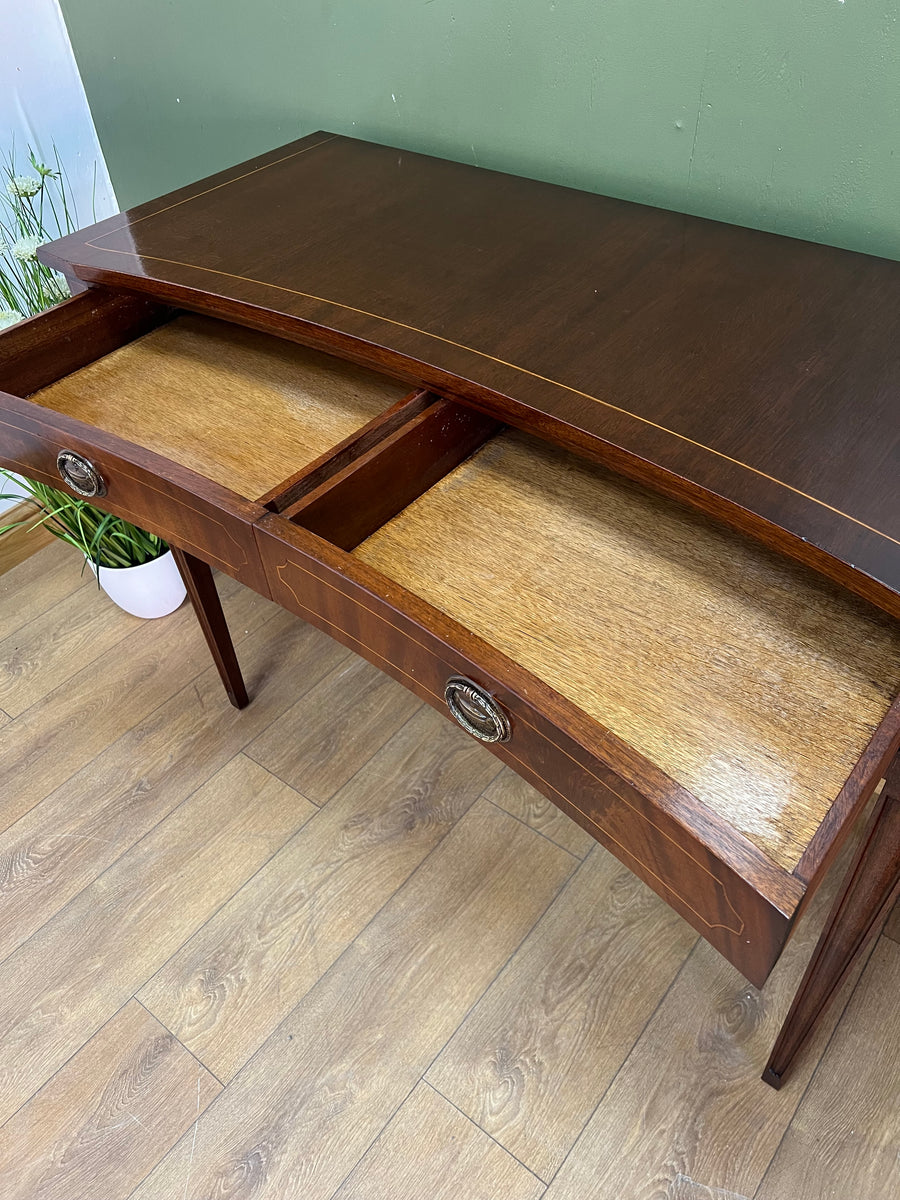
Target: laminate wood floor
<point>327,947</point>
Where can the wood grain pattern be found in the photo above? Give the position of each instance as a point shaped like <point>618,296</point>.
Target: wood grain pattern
<point>204,597</point>
<point>376,485</point>
<point>728,668</point>
<point>19,544</point>
<point>865,780</point>
<point>307,1106</point>
<point>58,643</point>
<point>547,1038</point>
<point>685,1188</point>
<point>892,929</point>
<point>716,878</point>
<point>37,351</point>
<point>430,1149</point>
<point>59,987</point>
<point>119,689</point>
<point>186,509</point>
<point>235,406</point>
<point>336,458</point>
<point>511,793</point>
<point>225,991</point>
<point>822,1154</point>
<point>59,571</point>
<point>324,739</point>
<point>721,365</point>
<point>681,1106</point>
<point>747,909</point>
<point>107,1117</point>
<point>865,898</point>
<point>687,1093</point>
<point>62,844</point>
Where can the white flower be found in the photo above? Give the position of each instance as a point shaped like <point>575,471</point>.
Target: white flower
<point>25,249</point>
<point>9,316</point>
<point>56,289</point>
<point>23,185</point>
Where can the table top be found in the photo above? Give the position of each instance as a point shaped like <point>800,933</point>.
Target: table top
<point>755,376</point>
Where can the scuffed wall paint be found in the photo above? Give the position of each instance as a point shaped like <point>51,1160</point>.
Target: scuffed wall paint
<point>781,114</point>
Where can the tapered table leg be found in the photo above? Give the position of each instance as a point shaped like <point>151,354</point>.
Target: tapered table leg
<point>201,588</point>
<point>870,888</point>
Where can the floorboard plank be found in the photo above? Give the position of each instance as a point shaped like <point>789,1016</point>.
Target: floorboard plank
<point>431,1150</point>
<point>688,1189</point>
<point>19,545</point>
<point>845,1138</point>
<point>313,1099</point>
<point>105,1120</point>
<point>51,741</point>
<point>55,645</point>
<point>237,979</point>
<point>688,1101</point>
<point>329,734</point>
<point>521,800</point>
<point>62,844</point>
<point>685,1119</point>
<point>38,584</point>
<point>892,929</point>
<point>534,1057</point>
<point>60,986</point>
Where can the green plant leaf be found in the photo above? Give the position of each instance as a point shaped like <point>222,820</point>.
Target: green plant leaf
<point>105,539</point>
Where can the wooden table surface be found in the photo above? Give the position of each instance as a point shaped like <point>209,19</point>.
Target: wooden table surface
<point>755,375</point>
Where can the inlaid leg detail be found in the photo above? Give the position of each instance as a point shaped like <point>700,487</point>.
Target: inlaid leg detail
<point>201,588</point>
<point>870,888</point>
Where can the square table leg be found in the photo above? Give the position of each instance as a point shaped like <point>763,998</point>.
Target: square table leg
<point>201,588</point>
<point>870,889</point>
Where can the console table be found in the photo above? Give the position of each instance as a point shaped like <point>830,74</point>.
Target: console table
<point>613,487</point>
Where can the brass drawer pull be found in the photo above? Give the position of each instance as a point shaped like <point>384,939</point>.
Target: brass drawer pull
<point>476,710</point>
<point>80,474</point>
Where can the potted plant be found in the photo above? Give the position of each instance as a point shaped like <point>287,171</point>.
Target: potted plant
<point>135,568</point>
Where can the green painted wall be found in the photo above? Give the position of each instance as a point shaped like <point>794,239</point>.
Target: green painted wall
<point>781,114</point>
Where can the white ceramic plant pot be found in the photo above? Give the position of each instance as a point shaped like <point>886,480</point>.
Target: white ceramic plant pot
<point>154,589</point>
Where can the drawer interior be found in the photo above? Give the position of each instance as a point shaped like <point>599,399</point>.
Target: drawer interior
<point>746,678</point>
<point>242,408</point>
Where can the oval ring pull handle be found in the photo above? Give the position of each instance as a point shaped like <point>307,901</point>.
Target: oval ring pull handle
<point>80,474</point>
<point>476,710</point>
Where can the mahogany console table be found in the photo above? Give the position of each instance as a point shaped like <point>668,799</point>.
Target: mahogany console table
<point>615,488</point>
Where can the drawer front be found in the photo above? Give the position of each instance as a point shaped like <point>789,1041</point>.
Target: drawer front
<point>708,885</point>
<point>187,510</point>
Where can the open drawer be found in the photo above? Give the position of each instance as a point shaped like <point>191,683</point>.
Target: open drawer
<point>179,423</point>
<point>714,715</point>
